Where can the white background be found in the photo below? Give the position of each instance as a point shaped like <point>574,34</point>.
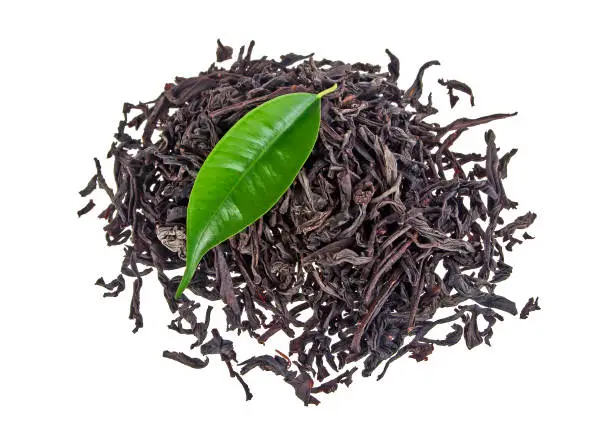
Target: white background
<point>72,373</point>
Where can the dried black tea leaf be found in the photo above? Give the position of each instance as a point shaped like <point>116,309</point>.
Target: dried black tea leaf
<point>531,305</point>
<point>194,363</point>
<point>223,52</point>
<point>301,382</point>
<point>91,186</point>
<point>115,286</point>
<point>219,346</point>
<point>88,207</point>
<point>459,86</point>
<point>330,386</point>
<point>387,222</point>
<point>413,94</point>
<point>291,58</point>
<point>135,303</point>
<point>233,374</point>
<point>393,66</point>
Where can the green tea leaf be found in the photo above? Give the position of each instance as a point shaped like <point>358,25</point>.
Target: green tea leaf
<point>248,171</point>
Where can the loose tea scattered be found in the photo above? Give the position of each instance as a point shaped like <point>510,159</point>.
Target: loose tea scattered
<point>385,224</point>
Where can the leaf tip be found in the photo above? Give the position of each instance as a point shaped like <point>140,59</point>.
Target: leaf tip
<point>327,91</point>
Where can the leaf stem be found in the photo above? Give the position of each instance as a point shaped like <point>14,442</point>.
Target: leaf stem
<point>329,90</point>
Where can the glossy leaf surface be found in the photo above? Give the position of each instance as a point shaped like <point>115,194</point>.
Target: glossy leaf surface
<point>248,171</point>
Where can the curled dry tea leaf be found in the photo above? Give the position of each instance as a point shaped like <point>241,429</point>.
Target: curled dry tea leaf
<point>248,171</point>
<point>189,361</point>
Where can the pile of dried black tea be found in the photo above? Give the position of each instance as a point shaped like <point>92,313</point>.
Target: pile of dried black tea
<point>385,224</point>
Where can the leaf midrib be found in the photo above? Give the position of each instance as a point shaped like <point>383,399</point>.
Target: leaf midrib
<point>248,169</point>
